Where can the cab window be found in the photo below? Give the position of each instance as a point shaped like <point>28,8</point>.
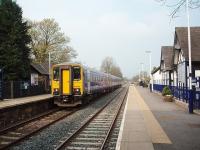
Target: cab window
<point>77,73</point>
<point>56,73</point>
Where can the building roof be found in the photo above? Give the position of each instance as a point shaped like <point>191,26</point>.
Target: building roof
<point>166,58</point>
<point>41,68</point>
<point>182,38</point>
<point>155,70</point>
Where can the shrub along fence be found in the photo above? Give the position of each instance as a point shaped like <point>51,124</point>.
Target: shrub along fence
<point>183,94</point>
<point>17,89</point>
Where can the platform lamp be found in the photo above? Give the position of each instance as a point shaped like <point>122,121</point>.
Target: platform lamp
<point>150,66</point>
<point>189,52</point>
<point>142,70</point>
<point>139,74</point>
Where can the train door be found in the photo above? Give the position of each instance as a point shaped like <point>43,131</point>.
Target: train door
<point>88,81</point>
<point>66,82</point>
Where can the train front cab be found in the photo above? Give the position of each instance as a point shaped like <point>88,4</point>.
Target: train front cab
<point>67,85</point>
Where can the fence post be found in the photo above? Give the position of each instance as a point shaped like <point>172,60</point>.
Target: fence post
<point>191,100</point>
<point>1,84</point>
<point>11,90</point>
<point>150,86</point>
<point>1,90</point>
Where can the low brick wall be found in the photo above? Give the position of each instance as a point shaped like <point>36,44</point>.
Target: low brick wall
<point>13,115</point>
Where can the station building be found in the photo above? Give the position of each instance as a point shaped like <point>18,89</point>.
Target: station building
<point>174,63</point>
<point>181,57</point>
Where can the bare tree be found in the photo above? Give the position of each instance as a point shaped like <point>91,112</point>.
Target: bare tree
<point>109,66</point>
<point>116,71</point>
<point>47,37</point>
<point>178,4</point>
<point>145,77</point>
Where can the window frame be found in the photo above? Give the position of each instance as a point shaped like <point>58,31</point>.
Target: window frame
<point>77,79</point>
<point>58,74</point>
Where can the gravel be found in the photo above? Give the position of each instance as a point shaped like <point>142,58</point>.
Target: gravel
<point>106,116</point>
<point>49,138</point>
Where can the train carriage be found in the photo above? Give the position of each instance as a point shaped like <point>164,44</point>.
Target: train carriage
<point>72,81</point>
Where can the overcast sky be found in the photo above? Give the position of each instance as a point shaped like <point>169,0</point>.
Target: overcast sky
<point>122,29</point>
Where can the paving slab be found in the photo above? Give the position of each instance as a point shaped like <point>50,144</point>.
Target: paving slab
<point>133,131</point>
<point>182,128</point>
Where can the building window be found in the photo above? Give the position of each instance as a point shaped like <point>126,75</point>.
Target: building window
<point>34,79</point>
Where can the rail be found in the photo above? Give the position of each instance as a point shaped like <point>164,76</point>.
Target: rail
<point>17,133</point>
<point>89,121</point>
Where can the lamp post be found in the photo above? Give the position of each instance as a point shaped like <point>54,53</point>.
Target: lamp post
<point>139,74</point>
<point>150,75</point>
<point>142,70</point>
<point>190,61</point>
<point>189,44</point>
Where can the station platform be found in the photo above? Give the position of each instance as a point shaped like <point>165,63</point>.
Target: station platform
<point>14,111</point>
<point>150,123</point>
<point>7,103</point>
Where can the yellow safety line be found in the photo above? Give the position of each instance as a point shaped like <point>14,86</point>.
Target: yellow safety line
<point>154,129</point>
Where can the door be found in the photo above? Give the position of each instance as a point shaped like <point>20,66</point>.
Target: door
<point>88,81</point>
<point>66,82</point>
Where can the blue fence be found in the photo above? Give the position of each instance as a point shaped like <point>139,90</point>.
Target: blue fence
<point>182,94</point>
<point>196,103</point>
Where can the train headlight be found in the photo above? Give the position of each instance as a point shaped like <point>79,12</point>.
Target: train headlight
<point>77,91</point>
<point>56,91</point>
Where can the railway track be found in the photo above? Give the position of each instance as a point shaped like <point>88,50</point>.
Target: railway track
<point>17,133</point>
<point>95,131</point>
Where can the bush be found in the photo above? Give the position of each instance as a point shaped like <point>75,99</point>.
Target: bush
<point>166,91</point>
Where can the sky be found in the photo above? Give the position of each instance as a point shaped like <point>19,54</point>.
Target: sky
<point>121,29</point>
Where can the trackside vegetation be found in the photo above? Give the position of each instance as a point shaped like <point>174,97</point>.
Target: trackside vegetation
<point>14,38</point>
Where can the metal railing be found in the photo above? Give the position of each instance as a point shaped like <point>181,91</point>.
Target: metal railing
<point>183,94</point>
<point>17,89</point>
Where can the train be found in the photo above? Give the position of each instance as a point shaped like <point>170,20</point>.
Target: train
<point>72,83</point>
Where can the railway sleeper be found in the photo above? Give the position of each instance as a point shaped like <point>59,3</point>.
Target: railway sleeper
<point>86,139</point>
<point>102,119</point>
<point>105,121</point>
<point>80,148</point>
<point>91,136</point>
<point>95,132</point>
<point>4,143</point>
<point>4,137</point>
<point>85,145</point>
<point>113,138</point>
<point>100,124</point>
<point>96,129</point>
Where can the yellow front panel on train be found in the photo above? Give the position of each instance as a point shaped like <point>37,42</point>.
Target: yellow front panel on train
<point>66,90</point>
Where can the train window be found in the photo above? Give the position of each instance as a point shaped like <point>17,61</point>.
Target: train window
<point>56,73</point>
<point>77,73</point>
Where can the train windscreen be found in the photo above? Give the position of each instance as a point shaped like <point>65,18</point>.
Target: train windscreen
<point>77,73</point>
<point>56,73</point>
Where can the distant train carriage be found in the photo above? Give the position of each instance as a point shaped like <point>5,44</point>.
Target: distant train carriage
<point>72,81</point>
